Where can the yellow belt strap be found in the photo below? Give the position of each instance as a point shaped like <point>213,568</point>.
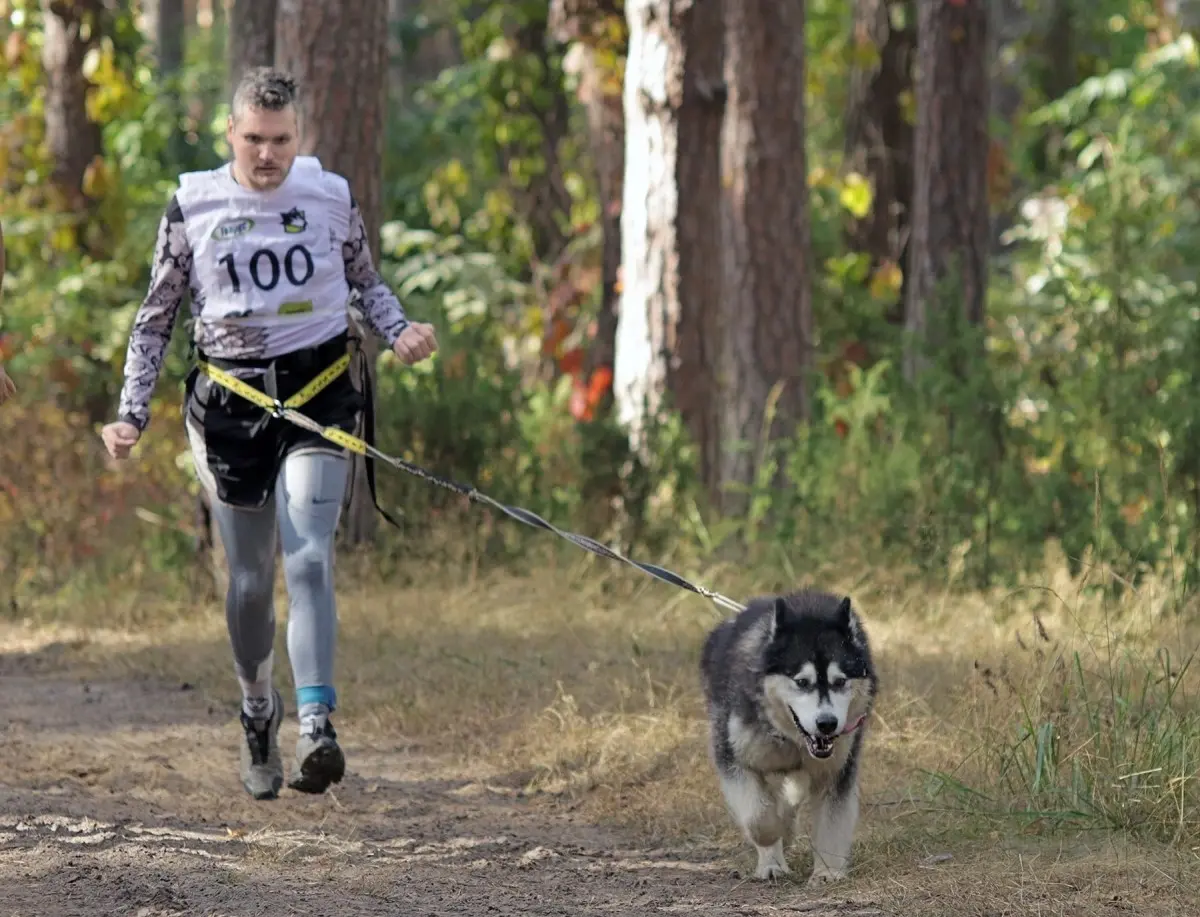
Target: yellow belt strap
<point>306,394</point>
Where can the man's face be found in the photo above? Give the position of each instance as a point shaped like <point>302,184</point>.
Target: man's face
<point>264,145</point>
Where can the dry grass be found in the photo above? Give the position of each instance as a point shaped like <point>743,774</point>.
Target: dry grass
<point>1045,738</point>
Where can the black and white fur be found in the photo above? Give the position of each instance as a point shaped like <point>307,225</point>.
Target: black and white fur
<point>789,685</point>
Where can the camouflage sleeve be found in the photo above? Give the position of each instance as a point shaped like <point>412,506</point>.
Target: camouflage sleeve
<point>155,318</point>
<point>380,307</point>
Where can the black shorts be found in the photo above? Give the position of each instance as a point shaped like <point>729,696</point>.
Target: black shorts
<point>238,446</point>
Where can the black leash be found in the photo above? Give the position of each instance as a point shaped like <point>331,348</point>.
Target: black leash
<point>287,411</point>
<point>528,517</point>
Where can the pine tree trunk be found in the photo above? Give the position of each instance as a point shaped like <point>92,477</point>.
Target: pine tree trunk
<point>948,251</point>
<point>766,301</point>
<point>166,27</point>
<point>879,136</point>
<point>672,102</point>
<point>338,54</point>
<point>251,38</point>
<point>588,25</point>
<point>691,379</point>
<point>70,29</point>
<point>545,205</point>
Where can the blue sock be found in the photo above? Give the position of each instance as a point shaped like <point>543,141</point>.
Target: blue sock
<point>315,703</point>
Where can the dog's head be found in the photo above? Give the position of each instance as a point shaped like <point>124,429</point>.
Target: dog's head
<point>818,668</point>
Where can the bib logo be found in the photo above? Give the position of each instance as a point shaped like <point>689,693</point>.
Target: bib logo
<point>294,221</point>
<point>231,228</point>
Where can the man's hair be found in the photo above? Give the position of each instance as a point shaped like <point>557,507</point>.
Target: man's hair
<point>265,89</point>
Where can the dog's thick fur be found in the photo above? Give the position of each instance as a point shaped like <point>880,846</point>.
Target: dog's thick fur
<point>789,686</point>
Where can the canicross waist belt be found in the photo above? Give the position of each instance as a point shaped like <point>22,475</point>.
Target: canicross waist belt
<point>277,408</point>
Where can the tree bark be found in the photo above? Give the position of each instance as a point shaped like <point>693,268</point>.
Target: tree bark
<point>589,26</point>
<point>338,54</point>
<point>546,203</point>
<point>766,301</point>
<point>397,59</point>
<point>948,251</point>
<point>166,26</point>
<point>690,375</point>
<point>879,135</point>
<point>70,29</point>
<point>251,40</point>
<point>672,100</point>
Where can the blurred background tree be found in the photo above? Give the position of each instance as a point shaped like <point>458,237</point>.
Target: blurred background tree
<point>708,278</point>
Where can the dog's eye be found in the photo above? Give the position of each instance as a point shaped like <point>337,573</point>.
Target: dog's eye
<point>838,684</point>
<point>803,684</point>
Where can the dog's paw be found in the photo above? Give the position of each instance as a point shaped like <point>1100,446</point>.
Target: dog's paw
<point>770,871</point>
<point>823,877</point>
<point>771,866</point>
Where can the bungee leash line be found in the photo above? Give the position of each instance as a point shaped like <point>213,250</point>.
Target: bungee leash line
<point>287,410</point>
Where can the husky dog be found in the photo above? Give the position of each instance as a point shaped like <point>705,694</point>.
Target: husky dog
<point>788,686</point>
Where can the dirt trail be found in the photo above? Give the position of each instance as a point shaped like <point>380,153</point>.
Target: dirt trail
<point>121,799</point>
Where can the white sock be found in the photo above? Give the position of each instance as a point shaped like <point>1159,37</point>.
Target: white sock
<point>313,718</point>
<point>257,701</point>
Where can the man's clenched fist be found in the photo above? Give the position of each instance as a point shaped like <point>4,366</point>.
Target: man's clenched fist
<point>119,438</point>
<point>415,343</point>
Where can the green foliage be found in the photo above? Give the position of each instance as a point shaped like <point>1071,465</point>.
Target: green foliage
<point>1113,748</point>
<point>1067,417</point>
<point>1100,335</point>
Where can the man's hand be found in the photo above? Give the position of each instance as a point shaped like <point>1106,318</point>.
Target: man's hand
<point>416,343</point>
<point>7,388</point>
<point>119,438</point>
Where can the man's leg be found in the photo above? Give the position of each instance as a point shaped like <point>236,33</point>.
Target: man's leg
<point>309,496</point>
<point>248,537</point>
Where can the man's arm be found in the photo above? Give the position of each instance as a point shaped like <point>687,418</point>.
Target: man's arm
<point>155,319</point>
<point>380,307</point>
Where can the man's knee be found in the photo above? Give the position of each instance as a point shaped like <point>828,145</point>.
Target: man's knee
<point>251,590</point>
<point>309,569</point>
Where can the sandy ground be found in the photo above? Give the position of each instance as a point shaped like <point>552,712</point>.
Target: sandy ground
<point>122,798</point>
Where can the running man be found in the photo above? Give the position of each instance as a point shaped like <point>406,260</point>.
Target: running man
<point>271,246</point>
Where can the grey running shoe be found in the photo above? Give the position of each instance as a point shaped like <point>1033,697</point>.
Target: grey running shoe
<point>319,760</point>
<point>262,765</point>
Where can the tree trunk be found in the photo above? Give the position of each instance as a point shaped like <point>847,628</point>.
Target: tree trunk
<point>341,69</point>
<point>71,28</point>
<point>397,84</point>
<point>672,102</point>
<point>251,40</point>
<point>766,299</point>
<point>879,136</point>
<point>166,25</point>
<point>948,251</point>
<point>591,27</point>
<point>691,379</point>
<point>545,204</point>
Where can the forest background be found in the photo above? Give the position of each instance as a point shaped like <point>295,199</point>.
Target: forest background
<point>894,297</point>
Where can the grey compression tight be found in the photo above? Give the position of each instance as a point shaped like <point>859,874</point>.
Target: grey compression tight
<point>304,512</point>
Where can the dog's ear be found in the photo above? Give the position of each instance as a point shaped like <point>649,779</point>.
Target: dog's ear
<point>849,622</point>
<point>778,618</point>
<point>845,617</point>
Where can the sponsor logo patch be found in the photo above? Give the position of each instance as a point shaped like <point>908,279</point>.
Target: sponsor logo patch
<point>231,228</point>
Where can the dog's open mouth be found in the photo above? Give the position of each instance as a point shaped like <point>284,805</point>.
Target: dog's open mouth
<point>818,746</point>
